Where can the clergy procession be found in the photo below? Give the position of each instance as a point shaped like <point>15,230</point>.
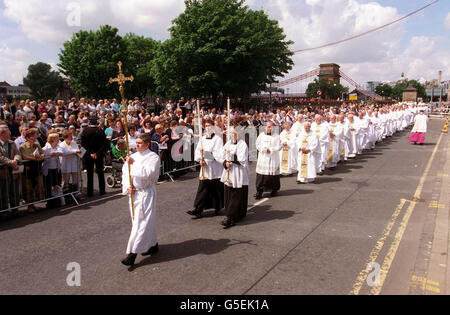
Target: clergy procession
<point>317,141</point>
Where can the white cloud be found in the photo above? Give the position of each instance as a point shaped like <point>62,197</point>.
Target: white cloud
<point>377,56</point>
<point>381,55</point>
<point>14,63</point>
<point>47,24</point>
<point>447,21</point>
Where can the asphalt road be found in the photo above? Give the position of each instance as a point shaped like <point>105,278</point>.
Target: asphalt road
<point>311,239</point>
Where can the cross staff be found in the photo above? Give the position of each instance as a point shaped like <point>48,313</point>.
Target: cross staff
<point>121,79</point>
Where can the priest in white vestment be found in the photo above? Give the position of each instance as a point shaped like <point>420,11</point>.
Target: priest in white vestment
<point>420,129</point>
<point>345,143</point>
<point>288,153</point>
<point>336,134</point>
<point>354,134</point>
<point>309,151</point>
<point>323,133</point>
<point>145,169</point>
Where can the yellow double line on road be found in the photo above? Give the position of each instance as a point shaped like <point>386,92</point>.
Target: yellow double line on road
<point>361,279</point>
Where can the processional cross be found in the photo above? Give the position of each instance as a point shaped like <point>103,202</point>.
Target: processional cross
<point>121,79</point>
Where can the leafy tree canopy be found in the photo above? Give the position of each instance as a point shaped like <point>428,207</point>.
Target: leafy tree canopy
<point>221,47</point>
<point>330,90</point>
<point>42,81</point>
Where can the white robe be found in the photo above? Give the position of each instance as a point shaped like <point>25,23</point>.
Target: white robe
<point>297,128</point>
<point>323,133</point>
<point>345,145</point>
<point>268,163</point>
<point>313,157</point>
<point>145,174</point>
<point>363,135</point>
<point>238,172</point>
<point>290,139</point>
<point>334,154</point>
<point>354,139</point>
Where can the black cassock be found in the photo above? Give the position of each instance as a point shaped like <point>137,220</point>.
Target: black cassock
<point>210,195</point>
<point>267,183</point>
<point>236,202</point>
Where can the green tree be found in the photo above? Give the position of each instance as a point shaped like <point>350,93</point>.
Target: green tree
<point>384,90</point>
<point>398,89</point>
<point>42,81</point>
<point>221,47</point>
<point>140,52</point>
<point>90,58</point>
<point>330,90</point>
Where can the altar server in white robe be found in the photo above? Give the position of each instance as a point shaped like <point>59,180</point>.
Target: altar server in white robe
<point>308,155</point>
<point>145,168</point>
<point>336,134</point>
<point>268,166</point>
<point>210,189</point>
<point>323,133</point>
<point>354,133</point>
<point>235,157</point>
<point>288,153</point>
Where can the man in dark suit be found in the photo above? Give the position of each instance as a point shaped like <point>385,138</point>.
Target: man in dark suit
<point>9,159</point>
<point>94,141</point>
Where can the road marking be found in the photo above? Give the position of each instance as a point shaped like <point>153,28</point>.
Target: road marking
<point>90,202</point>
<point>401,230</point>
<point>435,204</point>
<point>442,175</point>
<point>361,279</point>
<point>257,204</point>
<point>425,284</point>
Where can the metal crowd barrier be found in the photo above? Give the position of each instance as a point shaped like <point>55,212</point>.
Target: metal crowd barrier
<point>16,188</point>
<point>179,161</point>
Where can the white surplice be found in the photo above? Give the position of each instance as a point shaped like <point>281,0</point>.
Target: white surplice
<point>238,172</point>
<point>213,150</point>
<point>268,163</point>
<point>145,173</point>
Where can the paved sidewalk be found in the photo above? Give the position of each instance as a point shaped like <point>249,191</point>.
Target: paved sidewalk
<point>439,265</point>
<point>431,274</point>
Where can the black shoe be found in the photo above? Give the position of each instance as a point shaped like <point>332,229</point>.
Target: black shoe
<point>197,216</point>
<point>228,223</point>
<point>102,193</point>
<point>152,251</point>
<point>274,194</point>
<point>129,260</point>
<point>217,212</point>
<point>258,196</point>
<point>192,212</point>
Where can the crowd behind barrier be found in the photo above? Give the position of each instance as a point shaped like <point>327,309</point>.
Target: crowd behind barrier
<point>48,175</point>
<point>35,183</point>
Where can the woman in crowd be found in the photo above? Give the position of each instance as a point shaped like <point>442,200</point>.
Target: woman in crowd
<point>32,152</point>
<point>69,161</point>
<point>51,168</point>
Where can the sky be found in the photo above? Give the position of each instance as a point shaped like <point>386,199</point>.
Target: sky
<point>34,30</point>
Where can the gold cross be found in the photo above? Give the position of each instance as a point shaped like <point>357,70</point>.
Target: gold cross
<point>121,79</point>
